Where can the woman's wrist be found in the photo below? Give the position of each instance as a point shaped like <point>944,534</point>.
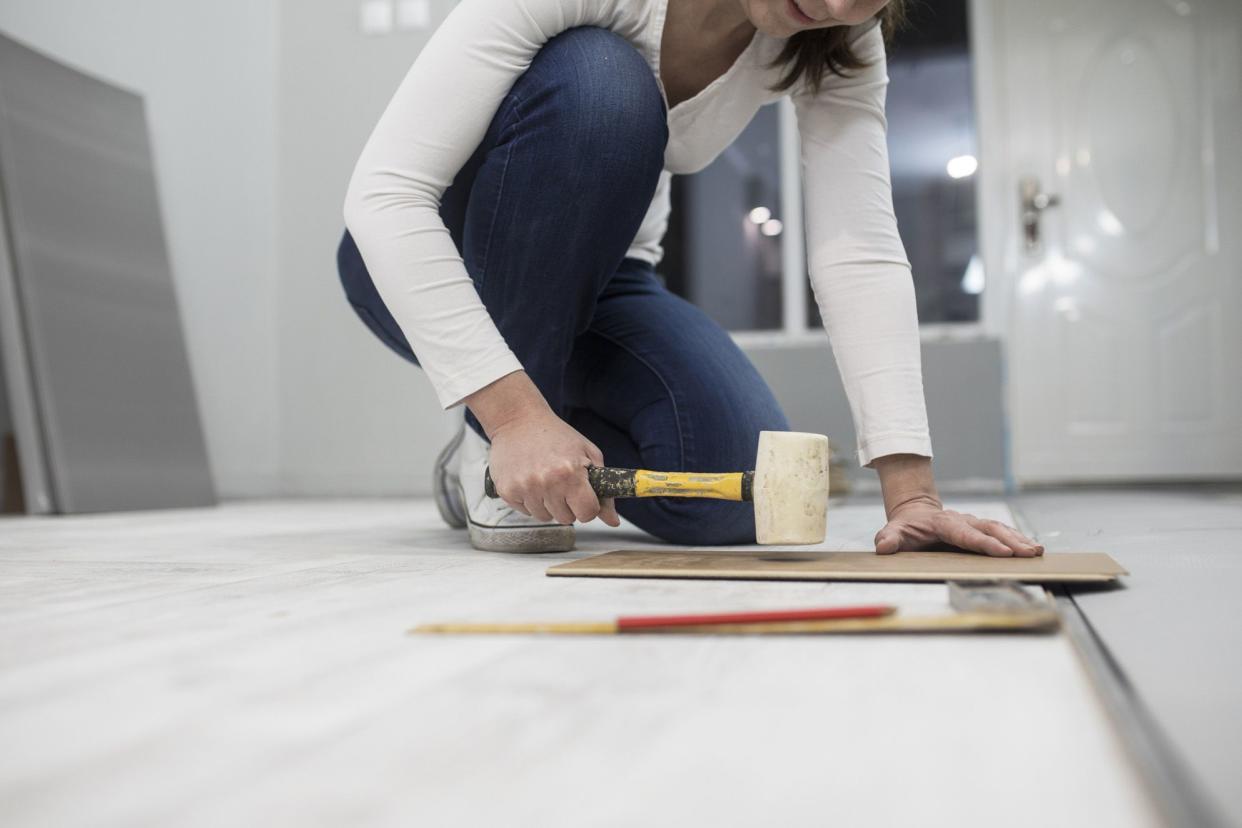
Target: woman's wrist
<point>906,479</point>
<point>510,399</point>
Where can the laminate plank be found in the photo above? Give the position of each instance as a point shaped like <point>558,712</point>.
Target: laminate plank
<point>1080,567</point>
<point>251,665</point>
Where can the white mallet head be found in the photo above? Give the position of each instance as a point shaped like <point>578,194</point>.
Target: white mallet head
<point>791,487</point>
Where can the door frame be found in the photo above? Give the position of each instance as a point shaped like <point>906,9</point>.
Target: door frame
<point>993,198</point>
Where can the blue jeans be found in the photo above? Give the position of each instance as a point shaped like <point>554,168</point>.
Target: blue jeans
<point>543,214</point>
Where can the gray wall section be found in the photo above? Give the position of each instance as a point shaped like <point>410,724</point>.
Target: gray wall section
<point>206,72</point>
<point>355,418</point>
<point>962,385</point>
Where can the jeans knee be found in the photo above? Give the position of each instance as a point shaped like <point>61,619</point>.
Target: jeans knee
<point>355,279</point>
<point>692,522</point>
<point>601,89</point>
<point>362,295</point>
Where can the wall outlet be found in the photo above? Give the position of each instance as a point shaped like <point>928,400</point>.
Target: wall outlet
<point>375,17</point>
<point>413,14</point>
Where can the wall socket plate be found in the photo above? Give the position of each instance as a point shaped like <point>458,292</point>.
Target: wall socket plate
<point>413,15</point>
<point>375,17</point>
<point>381,17</point>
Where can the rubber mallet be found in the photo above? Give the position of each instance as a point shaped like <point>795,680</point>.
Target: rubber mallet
<point>789,486</point>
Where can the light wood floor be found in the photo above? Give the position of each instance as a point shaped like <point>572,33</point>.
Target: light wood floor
<point>250,665</point>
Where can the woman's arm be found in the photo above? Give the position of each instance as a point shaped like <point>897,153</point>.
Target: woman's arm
<point>857,263</point>
<point>865,294</point>
<point>434,122</point>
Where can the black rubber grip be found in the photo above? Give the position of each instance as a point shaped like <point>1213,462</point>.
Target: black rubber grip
<point>608,482</point>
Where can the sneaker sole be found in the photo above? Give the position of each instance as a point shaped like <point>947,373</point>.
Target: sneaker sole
<point>547,537</point>
<point>447,491</point>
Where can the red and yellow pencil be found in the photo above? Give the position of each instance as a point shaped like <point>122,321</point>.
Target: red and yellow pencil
<point>744,622</point>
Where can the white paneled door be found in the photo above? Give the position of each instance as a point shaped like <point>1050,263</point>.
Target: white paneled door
<point>1112,136</point>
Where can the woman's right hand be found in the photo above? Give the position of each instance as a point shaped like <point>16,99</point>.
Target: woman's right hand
<point>538,462</point>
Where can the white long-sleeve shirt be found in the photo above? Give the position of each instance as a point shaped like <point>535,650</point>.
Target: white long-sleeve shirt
<point>443,107</point>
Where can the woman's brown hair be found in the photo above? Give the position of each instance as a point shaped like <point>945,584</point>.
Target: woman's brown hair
<point>815,53</point>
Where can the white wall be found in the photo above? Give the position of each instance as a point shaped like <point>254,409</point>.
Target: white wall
<point>962,383</point>
<point>355,418</point>
<point>207,72</point>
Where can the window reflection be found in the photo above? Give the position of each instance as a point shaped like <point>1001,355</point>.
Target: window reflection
<point>723,251</point>
<point>933,151</point>
<point>727,257</point>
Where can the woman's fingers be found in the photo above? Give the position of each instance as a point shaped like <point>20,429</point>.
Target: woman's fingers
<point>608,512</point>
<point>1015,540</point>
<point>566,501</point>
<point>888,540</point>
<point>538,510</point>
<point>559,508</point>
<point>606,509</point>
<point>516,504</point>
<point>581,504</point>
<point>581,499</point>
<point>563,493</point>
<point>956,530</point>
<point>926,527</point>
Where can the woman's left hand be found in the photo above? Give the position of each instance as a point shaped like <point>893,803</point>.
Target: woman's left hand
<point>916,520</point>
<point>924,524</point>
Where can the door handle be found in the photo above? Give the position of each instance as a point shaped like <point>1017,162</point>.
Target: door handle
<point>1033,202</point>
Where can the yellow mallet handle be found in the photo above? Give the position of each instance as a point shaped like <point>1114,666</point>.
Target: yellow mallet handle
<point>644,483</point>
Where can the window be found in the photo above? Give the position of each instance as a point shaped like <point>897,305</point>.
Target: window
<point>727,251</point>
<point>727,223</point>
<point>933,149</point>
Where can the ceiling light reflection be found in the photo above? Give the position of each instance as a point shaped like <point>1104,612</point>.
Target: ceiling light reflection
<point>771,227</point>
<point>962,166</point>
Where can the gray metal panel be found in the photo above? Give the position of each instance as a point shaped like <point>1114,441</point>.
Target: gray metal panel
<point>20,413</point>
<point>103,338</point>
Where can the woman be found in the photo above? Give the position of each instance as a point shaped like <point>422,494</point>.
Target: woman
<point>505,220</point>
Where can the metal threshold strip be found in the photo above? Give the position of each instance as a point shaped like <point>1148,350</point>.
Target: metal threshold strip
<point>1174,791</point>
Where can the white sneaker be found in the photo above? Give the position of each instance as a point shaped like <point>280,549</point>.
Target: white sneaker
<point>445,483</point>
<point>494,527</point>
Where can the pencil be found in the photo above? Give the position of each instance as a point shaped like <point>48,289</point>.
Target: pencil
<point>658,623</point>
